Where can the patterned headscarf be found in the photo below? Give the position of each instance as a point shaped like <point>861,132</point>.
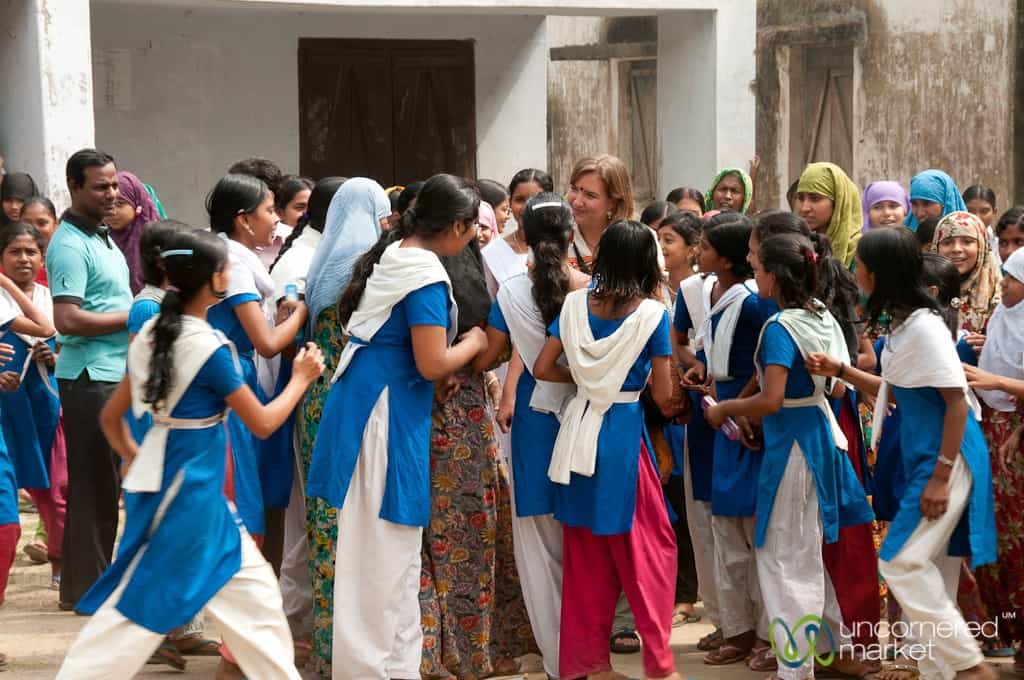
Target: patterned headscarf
<point>133,191</point>
<point>979,290</point>
<point>885,190</point>
<point>937,187</point>
<point>748,188</point>
<point>844,228</point>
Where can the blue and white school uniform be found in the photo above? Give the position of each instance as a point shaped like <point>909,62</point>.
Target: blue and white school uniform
<point>145,306</point>
<point>807,487</point>
<point>8,480</point>
<point>371,460</point>
<point>534,430</point>
<point>699,446</point>
<point>920,559</point>
<point>173,561</point>
<point>729,335</point>
<point>30,414</point>
<point>256,479</point>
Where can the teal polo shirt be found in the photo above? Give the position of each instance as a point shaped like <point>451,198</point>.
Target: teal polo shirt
<point>85,267</point>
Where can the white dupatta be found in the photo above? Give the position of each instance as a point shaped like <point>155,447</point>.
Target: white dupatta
<point>599,368</point>
<point>194,346</point>
<point>816,331</point>
<point>526,328</point>
<point>718,345</point>
<point>919,353</point>
<point>399,272</point>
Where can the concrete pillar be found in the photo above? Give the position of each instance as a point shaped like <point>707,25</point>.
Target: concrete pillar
<point>46,113</point>
<point>706,107</point>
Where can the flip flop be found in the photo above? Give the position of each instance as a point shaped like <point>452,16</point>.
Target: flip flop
<point>711,641</point>
<point>167,655</point>
<point>726,655</point>
<point>682,618</point>
<point>763,660</point>
<point>617,642</point>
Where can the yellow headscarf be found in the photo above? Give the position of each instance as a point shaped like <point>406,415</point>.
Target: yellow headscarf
<point>844,229</point>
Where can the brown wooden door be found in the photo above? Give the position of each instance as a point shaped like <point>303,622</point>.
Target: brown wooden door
<point>822,99</point>
<point>393,110</point>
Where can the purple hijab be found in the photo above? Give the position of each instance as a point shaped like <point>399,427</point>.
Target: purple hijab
<point>134,192</point>
<point>885,190</point>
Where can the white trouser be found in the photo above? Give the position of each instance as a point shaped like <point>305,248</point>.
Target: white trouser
<point>537,542</point>
<point>924,579</point>
<point>739,597</point>
<point>296,580</point>
<point>698,520</point>
<point>246,611</point>
<point>377,632</point>
<point>791,571</point>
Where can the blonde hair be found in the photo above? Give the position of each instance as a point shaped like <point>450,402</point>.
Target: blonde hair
<point>617,182</point>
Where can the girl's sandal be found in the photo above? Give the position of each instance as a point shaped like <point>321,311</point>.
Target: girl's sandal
<point>711,641</point>
<point>899,671</point>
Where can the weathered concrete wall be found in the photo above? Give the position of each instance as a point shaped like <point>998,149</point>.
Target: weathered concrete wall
<point>937,89</point>
<point>580,99</point>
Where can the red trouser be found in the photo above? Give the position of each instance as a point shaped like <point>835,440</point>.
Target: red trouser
<point>596,569</point>
<point>9,535</point>
<point>52,502</point>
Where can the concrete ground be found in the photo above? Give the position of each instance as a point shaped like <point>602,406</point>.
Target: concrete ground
<point>34,635</point>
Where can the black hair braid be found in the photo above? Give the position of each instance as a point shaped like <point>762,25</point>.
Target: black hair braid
<point>286,246</point>
<point>550,278</point>
<point>165,333</point>
<point>353,293</point>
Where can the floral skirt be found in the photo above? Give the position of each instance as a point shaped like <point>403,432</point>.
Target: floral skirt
<point>474,616</point>
<point>1002,584</point>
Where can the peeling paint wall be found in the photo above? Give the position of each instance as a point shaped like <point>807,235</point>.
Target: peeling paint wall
<point>936,89</point>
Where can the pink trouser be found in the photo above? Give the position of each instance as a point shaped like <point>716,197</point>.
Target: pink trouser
<point>52,503</point>
<point>642,563</point>
<point>9,535</point>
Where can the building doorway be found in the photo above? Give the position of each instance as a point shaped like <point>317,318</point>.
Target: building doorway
<point>393,110</point>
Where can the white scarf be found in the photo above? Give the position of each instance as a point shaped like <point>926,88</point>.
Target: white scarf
<point>399,272</point>
<point>245,266</point>
<point>693,292</point>
<point>526,327</point>
<point>194,346</point>
<point>718,345</point>
<point>1002,354</point>
<point>40,298</point>
<point>599,368</point>
<point>919,353</point>
<point>816,331</point>
<point>502,261</point>
<point>293,266</point>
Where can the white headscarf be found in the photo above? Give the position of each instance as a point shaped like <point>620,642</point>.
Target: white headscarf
<point>351,228</point>
<point>1003,353</point>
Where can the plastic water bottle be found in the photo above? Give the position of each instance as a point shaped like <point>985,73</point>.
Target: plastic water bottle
<point>729,428</point>
<point>291,292</point>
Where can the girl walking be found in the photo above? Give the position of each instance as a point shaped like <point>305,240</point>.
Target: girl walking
<point>173,562</point>
<point>945,458</point>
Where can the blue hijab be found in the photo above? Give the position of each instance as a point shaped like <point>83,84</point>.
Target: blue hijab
<point>351,228</point>
<point>937,187</point>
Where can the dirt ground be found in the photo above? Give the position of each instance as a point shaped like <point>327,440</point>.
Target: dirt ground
<point>35,635</point>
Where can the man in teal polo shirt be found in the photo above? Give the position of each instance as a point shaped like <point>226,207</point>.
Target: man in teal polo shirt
<point>88,279</point>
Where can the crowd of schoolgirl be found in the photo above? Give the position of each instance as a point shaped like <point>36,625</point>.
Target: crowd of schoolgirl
<point>424,431</point>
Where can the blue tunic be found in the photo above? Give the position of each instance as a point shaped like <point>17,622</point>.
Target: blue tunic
<point>8,482</point>
<point>141,311</point>
<point>533,439</point>
<point>29,417</point>
<point>700,438</point>
<point>923,410</point>
<point>888,482</point>
<point>605,503</point>
<point>245,448</point>
<point>841,498</point>
<point>736,468</point>
<point>386,361</point>
<point>175,563</point>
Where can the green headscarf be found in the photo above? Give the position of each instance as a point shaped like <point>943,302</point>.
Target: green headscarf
<point>844,229</point>
<point>748,188</point>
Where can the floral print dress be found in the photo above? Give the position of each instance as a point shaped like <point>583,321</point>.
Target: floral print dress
<point>474,617</point>
<point>321,518</point>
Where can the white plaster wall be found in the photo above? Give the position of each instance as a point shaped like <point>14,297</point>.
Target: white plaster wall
<point>212,85</point>
<point>46,107</point>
